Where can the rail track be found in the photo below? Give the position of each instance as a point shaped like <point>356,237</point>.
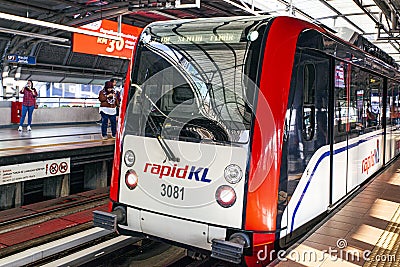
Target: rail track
<point>21,228</point>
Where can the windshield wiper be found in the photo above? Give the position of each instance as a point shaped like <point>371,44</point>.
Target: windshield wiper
<point>167,150</point>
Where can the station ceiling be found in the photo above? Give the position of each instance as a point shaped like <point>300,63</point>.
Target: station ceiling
<point>377,20</point>
<point>55,61</point>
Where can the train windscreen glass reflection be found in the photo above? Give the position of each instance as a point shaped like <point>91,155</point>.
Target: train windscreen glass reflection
<point>193,85</point>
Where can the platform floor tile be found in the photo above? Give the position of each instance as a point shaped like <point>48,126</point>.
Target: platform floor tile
<point>387,249</point>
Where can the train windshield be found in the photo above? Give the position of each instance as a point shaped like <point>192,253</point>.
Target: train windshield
<point>192,82</point>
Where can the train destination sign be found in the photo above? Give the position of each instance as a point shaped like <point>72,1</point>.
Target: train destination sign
<point>203,37</point>
<point>34,170</point>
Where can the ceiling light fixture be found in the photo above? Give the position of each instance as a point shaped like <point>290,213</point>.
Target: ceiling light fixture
<point>6,69</point>
<point>245,8</point>
<point>194,5</point>
<point>18,73</point>
<point>56,26</point>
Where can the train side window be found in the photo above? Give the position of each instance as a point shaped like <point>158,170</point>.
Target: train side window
<point>308,102</point>
<point>373,103</point>
<point>354,119</point>
<point>340,101</point>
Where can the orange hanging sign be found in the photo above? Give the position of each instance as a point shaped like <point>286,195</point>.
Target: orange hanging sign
<point>103,46</point>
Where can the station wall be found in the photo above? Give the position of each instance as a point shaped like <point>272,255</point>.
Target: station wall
<point>5,113</point>
<point>66,115</point>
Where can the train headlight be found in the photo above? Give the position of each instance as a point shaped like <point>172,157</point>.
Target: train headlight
<point>129,158</point>
<point>225,196</point>
<point>233,174</point>
<point>131,179</point>
<point>252,36</point>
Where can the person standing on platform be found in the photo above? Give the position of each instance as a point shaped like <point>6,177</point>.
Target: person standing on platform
<point>28,104</point>
<point>108,103</point>
<point>118,95</point>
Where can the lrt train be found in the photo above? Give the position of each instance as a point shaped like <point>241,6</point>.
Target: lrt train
<point>238,134</point>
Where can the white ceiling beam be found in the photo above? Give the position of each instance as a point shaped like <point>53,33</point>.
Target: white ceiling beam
<point>55,26</point>
<point>34,35</point>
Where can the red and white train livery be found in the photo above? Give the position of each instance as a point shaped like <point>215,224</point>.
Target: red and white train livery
<point>238,134</point>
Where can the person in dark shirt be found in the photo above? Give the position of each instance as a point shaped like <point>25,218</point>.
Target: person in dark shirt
<point>117,94</point>
<point>108,104</point>
<point>28,104</point>
<point>113,81</point>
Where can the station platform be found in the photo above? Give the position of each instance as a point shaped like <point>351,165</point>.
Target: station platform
<point>44,138</point>
<point>51,162</point>
<point>50,142</point>
<point>364,232</point>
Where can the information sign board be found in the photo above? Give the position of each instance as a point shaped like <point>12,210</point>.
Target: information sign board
<point>34,170</point>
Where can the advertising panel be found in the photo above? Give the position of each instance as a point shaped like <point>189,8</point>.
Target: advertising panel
<point>86,44</point>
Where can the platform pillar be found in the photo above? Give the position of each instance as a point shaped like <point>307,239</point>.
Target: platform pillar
<point>52,187</point>
<point>95,175</point>
<point>65,187</point>
<point>19,195</point>
<point>102,180</point>
<point>7,196</point>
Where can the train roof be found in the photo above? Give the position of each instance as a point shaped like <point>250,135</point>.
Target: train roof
<point>344,35</point>
<point>205,21</point>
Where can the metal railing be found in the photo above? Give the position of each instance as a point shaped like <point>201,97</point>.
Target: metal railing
<point>52,102</point>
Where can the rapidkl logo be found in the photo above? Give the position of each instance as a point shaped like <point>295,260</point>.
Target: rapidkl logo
<point>371,160</point>
<point>195,173</point>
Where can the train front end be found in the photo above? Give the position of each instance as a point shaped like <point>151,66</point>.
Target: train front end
<point>185,144</point>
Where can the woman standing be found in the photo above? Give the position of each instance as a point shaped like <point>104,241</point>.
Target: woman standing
<point>108,111</point>
<point>28,104</point>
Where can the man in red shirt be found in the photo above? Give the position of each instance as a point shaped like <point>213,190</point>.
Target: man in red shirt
<point>28,104</point>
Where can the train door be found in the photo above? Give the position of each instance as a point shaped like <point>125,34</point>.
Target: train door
<point>305,142</point>
<point>396,119</point>
<point>355,90</point>
<point>371,140</point>
<point>357,127</point>
<point>392,121</point>
<point>389,142</point>
<point>340,128</point>
<point>348,119</point>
